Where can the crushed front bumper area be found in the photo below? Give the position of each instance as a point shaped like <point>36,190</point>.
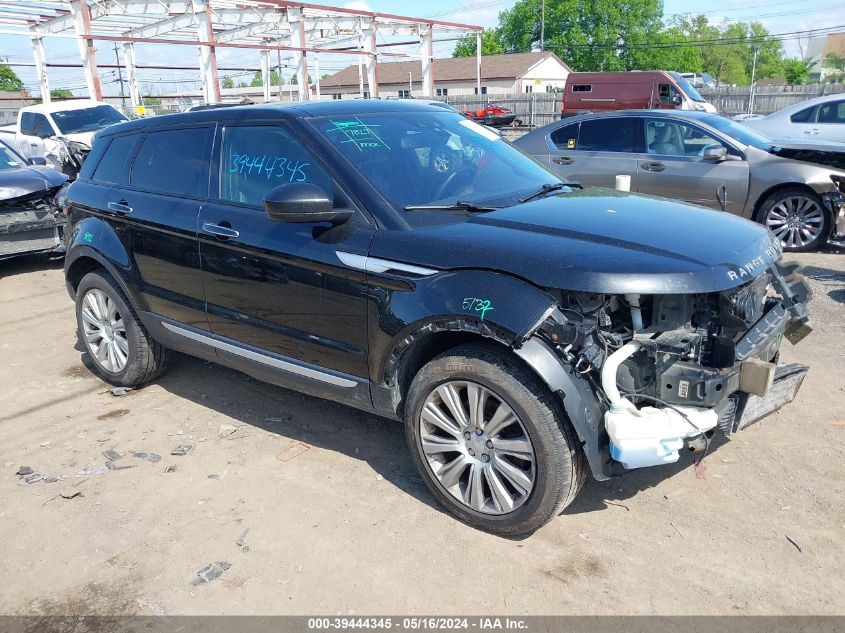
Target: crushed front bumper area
<point>30,231</point>
<point>742,409</point>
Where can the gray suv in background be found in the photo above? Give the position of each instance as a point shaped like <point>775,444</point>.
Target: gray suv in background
<point>700,158</point>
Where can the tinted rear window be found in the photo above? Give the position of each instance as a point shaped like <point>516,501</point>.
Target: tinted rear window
<point>609,135</point>
<point>114,166</point>
<point>802,116</point>
<point>173,161</point>
<point>831,112</point>
<point>566,137</point>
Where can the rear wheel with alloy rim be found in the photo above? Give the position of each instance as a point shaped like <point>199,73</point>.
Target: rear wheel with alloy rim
<point>797,218</point>
<point>121,350</point>
<point>490,440</point>
<point>104,331</point>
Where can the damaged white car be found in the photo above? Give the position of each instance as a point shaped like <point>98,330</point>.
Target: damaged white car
<point>61,132</point>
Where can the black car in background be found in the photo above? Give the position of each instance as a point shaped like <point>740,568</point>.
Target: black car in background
<point>399,258</point>
<point>30,219</point>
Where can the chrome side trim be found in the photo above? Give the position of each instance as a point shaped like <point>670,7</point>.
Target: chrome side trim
<point>352,260</point>
<point>375,265</point>
<point>262,358</point>
<point>381,265</point>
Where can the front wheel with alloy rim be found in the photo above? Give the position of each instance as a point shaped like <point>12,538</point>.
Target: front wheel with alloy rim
<point>121,351</point>
<point>491,442</point>
<point>797,217</point>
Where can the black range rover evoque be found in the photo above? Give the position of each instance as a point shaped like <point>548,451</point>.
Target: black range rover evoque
<point>401,259</point>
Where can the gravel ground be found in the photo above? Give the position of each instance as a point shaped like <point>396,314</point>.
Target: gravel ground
<point>315,508</point>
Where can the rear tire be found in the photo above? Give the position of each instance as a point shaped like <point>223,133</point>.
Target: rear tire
<point>797,217</point>
<point>121,350</point>
<point>506,475</point>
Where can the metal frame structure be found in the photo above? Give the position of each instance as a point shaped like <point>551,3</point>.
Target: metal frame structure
<point>303,29</point>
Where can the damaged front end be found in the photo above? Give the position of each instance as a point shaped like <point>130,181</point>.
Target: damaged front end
<point>32,223</point>
<point>646,375</point>
<point>66,155</point>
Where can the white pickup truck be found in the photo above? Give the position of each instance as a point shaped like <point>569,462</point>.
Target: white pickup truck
<point>60,131</point>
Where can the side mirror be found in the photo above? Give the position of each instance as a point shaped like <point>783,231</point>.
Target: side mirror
<point>715,153</point>
<point>677,100</point>
<point>37,160</point>
<point>302,202</point>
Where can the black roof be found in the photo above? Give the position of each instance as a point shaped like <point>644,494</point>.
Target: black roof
<point>687,114</point>
<point>297,110</point>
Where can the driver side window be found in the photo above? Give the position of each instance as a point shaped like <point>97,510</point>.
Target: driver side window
<point>673,138</point>
<point>257,159</point>
<point>35,124</point>
<point>667,93</point>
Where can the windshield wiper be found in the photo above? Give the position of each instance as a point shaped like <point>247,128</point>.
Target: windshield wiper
<point>550,187</point>
<point>458,205</point>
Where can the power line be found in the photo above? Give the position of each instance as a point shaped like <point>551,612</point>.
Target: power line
<point>783,37</point>
<point>491,3</point>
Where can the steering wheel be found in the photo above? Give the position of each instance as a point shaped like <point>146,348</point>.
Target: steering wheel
<point>442,160</point>
<point>466,173</point>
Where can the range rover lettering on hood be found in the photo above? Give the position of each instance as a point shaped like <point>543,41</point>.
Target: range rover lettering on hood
<point>752,268</point>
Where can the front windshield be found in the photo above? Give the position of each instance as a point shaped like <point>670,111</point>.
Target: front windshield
<point>433,157</point>
<point>87,119</point>
<point>740,132</point>
<point>687,88</point>
<point>8,159</point>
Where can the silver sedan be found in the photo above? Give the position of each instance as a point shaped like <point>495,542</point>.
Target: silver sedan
<point>703,159</point>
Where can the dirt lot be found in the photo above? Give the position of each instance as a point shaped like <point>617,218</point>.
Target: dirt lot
<point>338,520</point>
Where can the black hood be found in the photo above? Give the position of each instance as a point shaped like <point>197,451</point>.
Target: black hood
<point>596,240</point>
<point>26,181</point>
<point>818,152</point>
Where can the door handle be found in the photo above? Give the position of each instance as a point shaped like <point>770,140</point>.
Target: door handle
<point>220,230</point>
<point>653,166</point>
<point>121,208</point>
<point>562,160</point>
<point>814,130</point>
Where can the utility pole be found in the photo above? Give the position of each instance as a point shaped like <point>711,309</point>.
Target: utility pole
<point>119,77</point>
<point>753,72</point>
<point>279,70</point>
<point>542,25</point>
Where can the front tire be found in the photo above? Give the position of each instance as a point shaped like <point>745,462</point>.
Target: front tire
<point>491,442</point>
<point>122,352</point>
<point>797,217</point>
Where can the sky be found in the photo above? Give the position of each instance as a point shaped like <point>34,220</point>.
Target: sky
<point>779,16</point>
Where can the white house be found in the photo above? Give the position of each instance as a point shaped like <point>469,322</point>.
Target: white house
<point>455,76</point>
<point>819,47</point>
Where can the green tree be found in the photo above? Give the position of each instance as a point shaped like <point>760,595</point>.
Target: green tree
<point>797,71</point>
<point>836,63</point>
<point>490,45</point>
<point>257,82</point>
<point>9,79</point>
<point>769,52</point>
<point>61,93</point>
<point>228,82</point>
<point>588,36</point>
